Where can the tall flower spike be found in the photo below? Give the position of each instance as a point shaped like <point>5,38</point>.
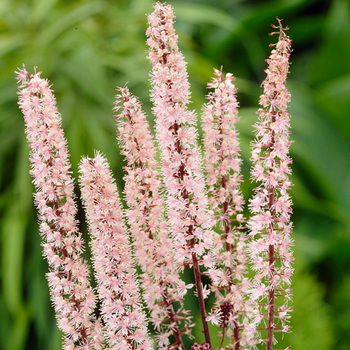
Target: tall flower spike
<point>70,290</point>
<point>270,225</point>
<point>163,288</point>
<point>176,132</point>
<point>126,324</point>
<point>223,163</point>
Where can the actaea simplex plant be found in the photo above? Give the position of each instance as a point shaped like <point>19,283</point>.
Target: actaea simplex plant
<point>184,213</point>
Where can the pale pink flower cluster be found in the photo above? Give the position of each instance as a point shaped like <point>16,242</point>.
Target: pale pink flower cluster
<point>177,134</point>
<point>118,289</point>
<point>70,289</point>
<point>223,162</point>
<point>153,245</point>
<point>175,220</point>
<point>270,225</point>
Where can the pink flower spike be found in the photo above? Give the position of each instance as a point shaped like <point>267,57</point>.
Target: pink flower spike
<point>154,246</point>
<point>118,289</point>
<point>270,206</point>
<point>70,289</point>
<point>176,133</point>
<point>222,159</point>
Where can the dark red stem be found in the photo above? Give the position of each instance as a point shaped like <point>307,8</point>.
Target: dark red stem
<point>271,296</point>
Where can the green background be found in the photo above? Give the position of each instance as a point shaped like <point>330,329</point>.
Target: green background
<point>86,48</point>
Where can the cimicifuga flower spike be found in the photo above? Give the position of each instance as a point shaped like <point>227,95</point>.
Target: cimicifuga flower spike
<point>70,290</point>
<point>118,289</point>
<point>223,165</point>
<point>270,225</point>
<point>176,133</point>
<point>154,248</point>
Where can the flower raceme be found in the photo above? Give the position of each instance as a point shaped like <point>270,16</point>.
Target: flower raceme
<point>70,290</point>
<point>124,319</point>
<point>176,218</point>
<point>153,244</point>
<point>233,310</point>
<point>270,226</point>
<point>177,137</point>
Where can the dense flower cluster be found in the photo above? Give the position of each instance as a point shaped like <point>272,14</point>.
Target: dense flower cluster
<point>70,289</point>
<point>222,160</point>
<point>154,246</point>
<point>177,137</point>
<point>116,276</point>
<point>270,225</point>
<point>177,220</point>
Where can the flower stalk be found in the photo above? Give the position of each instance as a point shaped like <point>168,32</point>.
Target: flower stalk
<point>271,204</point>
<point>117,284</point>
<point>176,133</point>
<point>163,289</point>
<point>223,162</point>
<point>70,290</point>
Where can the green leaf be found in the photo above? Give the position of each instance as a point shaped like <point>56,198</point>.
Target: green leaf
<point>72,17</point>
<point>42,10</point>
<point>17,337</point>
<point>319,145</point>
<point>311,320</point>
<point>201,13</point>
<point>10,42</point>
<point>12,238</point>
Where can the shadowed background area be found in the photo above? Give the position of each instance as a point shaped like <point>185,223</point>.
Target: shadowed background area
<point>86,48</point>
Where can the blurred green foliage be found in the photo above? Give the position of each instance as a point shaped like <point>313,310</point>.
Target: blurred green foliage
<point>86,48</point>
